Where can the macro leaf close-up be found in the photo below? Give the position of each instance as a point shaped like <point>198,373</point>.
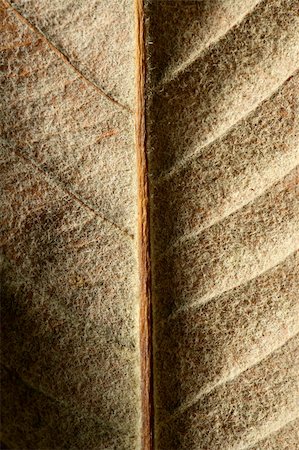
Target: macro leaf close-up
<point>149,224</point>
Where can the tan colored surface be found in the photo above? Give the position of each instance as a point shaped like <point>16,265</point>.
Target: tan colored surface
<point>96,36</point>
<point>224,146</point>
<point>217,176</point>
<point>69,280</point>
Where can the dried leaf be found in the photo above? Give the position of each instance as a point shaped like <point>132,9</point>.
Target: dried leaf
<point>193,216</point>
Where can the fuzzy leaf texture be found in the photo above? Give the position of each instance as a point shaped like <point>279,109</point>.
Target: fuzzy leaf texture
<point>222,148</point>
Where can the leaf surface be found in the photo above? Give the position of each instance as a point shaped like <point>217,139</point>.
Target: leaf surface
<point>223,148</point>
<point>69,281</point>
<point>150,231</point>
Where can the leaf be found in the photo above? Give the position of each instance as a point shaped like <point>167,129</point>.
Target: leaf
<point>192,217</point>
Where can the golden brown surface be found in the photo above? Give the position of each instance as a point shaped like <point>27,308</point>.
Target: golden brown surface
<point>150,224</point>
<point>70,306</point>
<point>223,149</point>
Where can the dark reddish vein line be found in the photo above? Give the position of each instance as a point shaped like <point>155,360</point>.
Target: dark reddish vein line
<point>144,239</point>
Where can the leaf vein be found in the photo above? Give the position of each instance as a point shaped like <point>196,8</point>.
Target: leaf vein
<point>65,58</point>
<point>208,298</point>
<point>197,55</point>
<point>228,379</point>
<point>70,193</point>
<point>185,160</point>
<point>193,234</point>
<point>268,434</point>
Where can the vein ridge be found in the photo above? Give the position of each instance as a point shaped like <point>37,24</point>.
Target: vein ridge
<point>208,298</point>
<point>64,57</point>
<point>51,397</point>
<point>185,160</point>
<point>193,234</point>
<point>225,380</point>
<point>70,193</point>
<point>195,56</point>
<point>61,308</point>
<point>274,430</point>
